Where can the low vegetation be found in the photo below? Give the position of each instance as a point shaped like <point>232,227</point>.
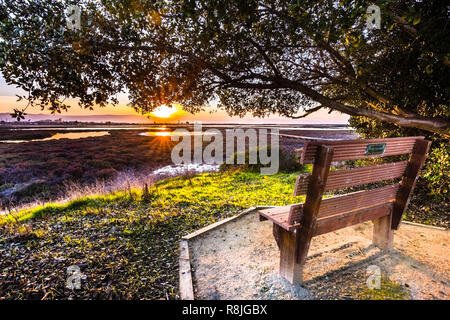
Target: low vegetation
<point>39,170</point>
<point>8,134</point>
<point>389,290</point>
<point>126,243</point>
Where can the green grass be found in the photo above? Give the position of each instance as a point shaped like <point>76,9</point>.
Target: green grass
<point>217,190</point>
<point>126,242</point>
<point>71,207</point>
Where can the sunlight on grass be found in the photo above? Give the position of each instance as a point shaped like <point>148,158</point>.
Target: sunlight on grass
<point>214,191</point>
<point>389,290</point>
<point>42,211</point>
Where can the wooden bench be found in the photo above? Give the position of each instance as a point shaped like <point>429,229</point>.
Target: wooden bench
<point>295,225</point>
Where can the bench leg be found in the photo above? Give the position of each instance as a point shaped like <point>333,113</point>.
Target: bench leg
<point>383,234</point>
<point>289,268</point>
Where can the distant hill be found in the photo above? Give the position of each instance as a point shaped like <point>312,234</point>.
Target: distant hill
<point>82,118</point>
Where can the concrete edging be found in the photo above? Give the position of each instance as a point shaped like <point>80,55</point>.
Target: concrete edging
<point>424,225</point>
<point>185,269</point>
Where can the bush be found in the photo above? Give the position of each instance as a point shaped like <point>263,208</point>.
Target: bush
<point>32,189</point>
<point>436,171</point>
<point>288,162</point>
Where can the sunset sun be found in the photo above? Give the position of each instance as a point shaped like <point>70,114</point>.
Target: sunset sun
<point>164,111</point>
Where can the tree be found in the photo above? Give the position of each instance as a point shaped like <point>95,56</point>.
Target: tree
<point>250,56</point>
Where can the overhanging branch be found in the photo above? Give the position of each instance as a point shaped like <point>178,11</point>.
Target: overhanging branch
<point>440,126</point>
<point>307,112</point>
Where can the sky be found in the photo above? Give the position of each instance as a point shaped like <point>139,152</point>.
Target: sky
<point>8,101</point>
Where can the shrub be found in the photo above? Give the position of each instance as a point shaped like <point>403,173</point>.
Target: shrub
<point>32,189</point>
<point>100,164</point>
<point>287,160</point>
<point>436,171</point>
<point>6,186</point>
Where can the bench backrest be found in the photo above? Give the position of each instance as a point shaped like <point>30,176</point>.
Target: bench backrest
<point>346,208</point>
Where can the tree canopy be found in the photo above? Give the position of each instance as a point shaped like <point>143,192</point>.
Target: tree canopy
<point>290,57</point>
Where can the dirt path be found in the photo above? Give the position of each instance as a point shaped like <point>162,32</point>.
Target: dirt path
<point>239,260</point>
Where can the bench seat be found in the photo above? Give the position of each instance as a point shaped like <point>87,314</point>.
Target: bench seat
<point>336,208</point>
<point>279,216</point>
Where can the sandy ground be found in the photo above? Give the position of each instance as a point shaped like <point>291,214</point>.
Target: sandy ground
<point>239,260</point>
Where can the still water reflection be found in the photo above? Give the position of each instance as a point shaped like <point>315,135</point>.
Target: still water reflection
<point>67,135</point>
<point>173,133</point>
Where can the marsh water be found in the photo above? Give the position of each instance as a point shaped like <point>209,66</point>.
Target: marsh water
<point>65,135</point>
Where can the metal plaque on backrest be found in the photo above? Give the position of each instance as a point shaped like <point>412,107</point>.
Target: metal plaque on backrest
<point>375,148</point>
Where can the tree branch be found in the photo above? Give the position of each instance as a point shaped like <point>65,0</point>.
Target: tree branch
<point>440,126</point>
<point>307,113</point>
<point>413,33</point>
<point>265,56</point>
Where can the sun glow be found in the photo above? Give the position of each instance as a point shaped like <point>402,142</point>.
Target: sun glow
<point>162,134</point>
<point>164,111</point>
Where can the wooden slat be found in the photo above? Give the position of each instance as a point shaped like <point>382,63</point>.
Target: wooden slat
<point>273,212</point>
<point>408,183</point>
<point>355,149</point>
<point>358,151</point>
<point>354,177</point>
<point>358,200</point>
<point>301,184</point>
<point>339,205</point>
<point>336,222</point>
<point>295,213</point>
<point>278,216</point>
